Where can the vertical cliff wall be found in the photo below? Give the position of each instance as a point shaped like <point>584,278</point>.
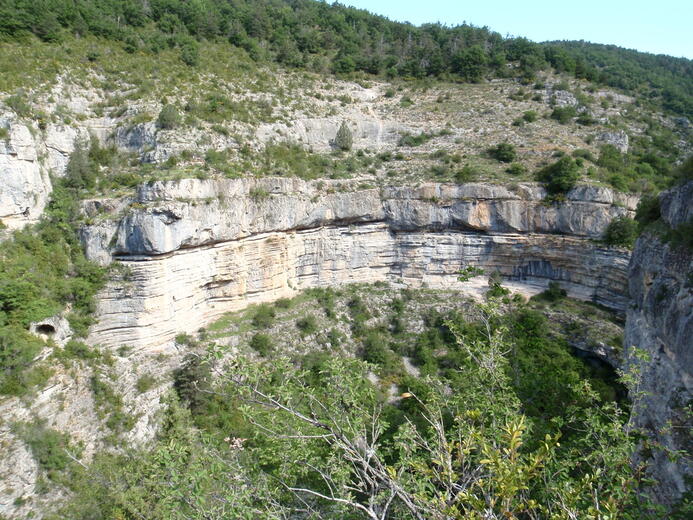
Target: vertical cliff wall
<point>660,323</point>
<point>192,250</point>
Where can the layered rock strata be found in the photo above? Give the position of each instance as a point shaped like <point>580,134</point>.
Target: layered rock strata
<point>192,250</point>
<point>660,323</point>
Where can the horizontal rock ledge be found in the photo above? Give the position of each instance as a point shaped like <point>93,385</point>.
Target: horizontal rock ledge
<point>193,250</point>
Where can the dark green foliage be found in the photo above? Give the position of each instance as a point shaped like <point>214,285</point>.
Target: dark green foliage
<point>190,52</point>
<point>662,77</point>
<point>344,139</point>
<point>559,177</point>
<point>307,325</point>
<point>684,172</point>
<point>18,349</point>
<point>262,344</point>
<point>80,350</point>
<point>359,315</point>
<point>263,316</point>
<point>109,405</point>
<point>530,116</point>
<point>646,167</point>
<point>648,210</point>
<point>415,140</point>
<point>611,158</point>
<point>586,119</point>
<point>377,351</point>
<point>310,34</point>
<point>169,117</point>
<point>621,231</point>
<point>294,160</point>
<point>191,381</point>
<point>495,283</point>
<point>145,382</point>
<point>335,338</point>
<point>516,169</point>
<point>466,174</point>
<point>546,374</point>
<point>503,152</point>
<point>564,115</point>
<point>553,294</point>
<point>326,298</point>
<point>470,63</point>
<point>581,153</point>
<point>81,170</point>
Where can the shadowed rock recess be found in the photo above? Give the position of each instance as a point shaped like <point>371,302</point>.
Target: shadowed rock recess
<point>195,249</point>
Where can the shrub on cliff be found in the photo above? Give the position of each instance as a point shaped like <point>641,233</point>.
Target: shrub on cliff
<point>80,172</point>
<point>559,177</point>
<point>648,210</point>
<point>344,138</point>
<point>554,293</point>
<point>503,152</point>
<point>264,316</point>
<point>622,232</point>
<point>169,118</point>
<point>262,344</point>
<point>563,114</point>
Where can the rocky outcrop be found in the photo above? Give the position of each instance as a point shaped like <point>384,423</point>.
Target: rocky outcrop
<point>24,185</point>
<point>617,139</point>
<point>28,157</point>
<point>660,323</point>
<point>193,250</point>
<point>319,133</point>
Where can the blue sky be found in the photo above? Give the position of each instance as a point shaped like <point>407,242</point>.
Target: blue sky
<point>660,27</point>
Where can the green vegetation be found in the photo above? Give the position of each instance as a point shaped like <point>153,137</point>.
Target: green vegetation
<point>43,269</point>
<point>415,140</point>
<point>344,139</point>
<point>621,231</point>
<point>145,382</point>
<point>331,37</point>
<point>109,405</point>
<point>49,447</point>
<point>262,344</point>
<point>530,116</point>
<point>553,294</point>
<point>169,117</point>
<point>307,325</point>
<point>516,169</point>
<point>647,167</point>
<point>79,350</point>
<point>564,115</point>
<point>18,348</point>
<point>503,152</point>
<point>560,177</point>
<point>264,316</point>
<point>500,399</point>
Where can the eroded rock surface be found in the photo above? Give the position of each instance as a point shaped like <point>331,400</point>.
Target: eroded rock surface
<point>24,185</point>
<point>660,323</point>
<point>193,250</point>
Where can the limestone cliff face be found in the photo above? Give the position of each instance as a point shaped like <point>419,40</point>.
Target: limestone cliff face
<point>24,184</point>
<point>660,322</point>
<point>194,250</point>
<point>28,156</point>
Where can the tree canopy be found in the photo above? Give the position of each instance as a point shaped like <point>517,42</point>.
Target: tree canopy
<point>320,36</point>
